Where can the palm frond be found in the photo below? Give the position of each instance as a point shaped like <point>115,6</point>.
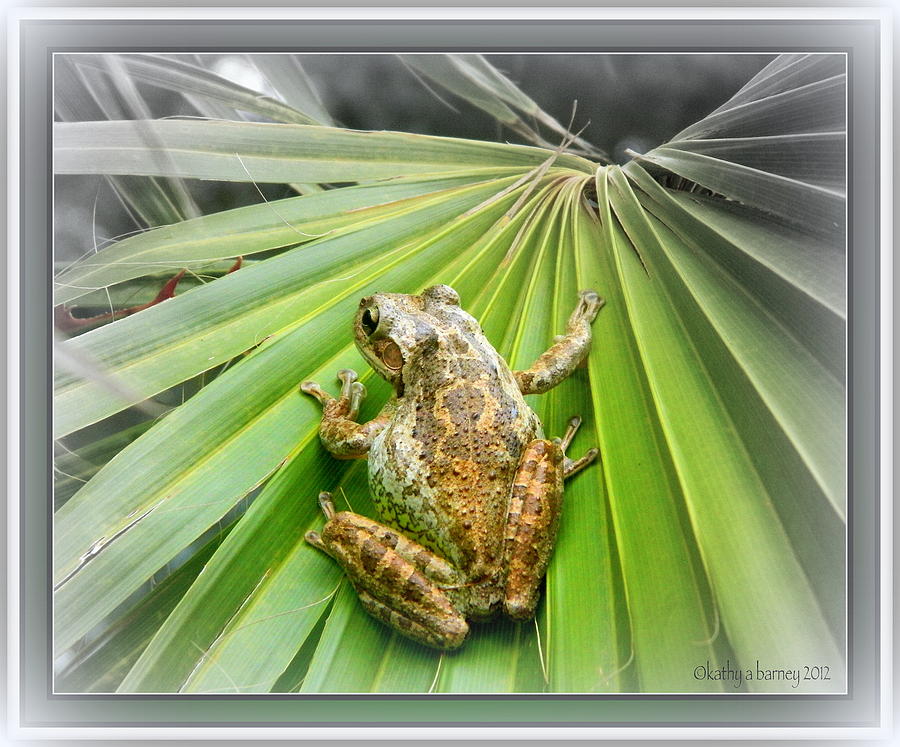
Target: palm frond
<point>714,529</point>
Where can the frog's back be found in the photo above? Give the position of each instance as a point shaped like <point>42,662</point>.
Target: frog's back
<point>441,471</point>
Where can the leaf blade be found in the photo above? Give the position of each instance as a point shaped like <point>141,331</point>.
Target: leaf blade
<point>745,576</point>
<point>245,151</point>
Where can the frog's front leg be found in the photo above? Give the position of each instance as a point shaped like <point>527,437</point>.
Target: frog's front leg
<point>398,581</point>
<point>532,517</point>
<point>339,431</point>
<point>566,352</point>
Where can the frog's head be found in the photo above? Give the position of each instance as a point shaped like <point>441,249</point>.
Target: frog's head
<point>392,329</point>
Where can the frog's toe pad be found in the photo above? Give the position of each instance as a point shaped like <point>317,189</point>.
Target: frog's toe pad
<point>573,466</point>
<point>326,504</point>
<point>520,609</point>
<point>315,539</point>
<point>314,390</point>
<point>590,304</point>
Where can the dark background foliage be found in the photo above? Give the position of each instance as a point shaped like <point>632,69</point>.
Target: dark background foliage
<point>374,92</point>
<point>377,92</point>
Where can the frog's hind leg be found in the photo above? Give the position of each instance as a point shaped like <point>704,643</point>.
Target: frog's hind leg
<point>398,580</point>
<point>532,518</point>
<point>412,626</point>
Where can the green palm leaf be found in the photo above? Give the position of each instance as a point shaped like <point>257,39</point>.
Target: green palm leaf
<point>712,532</point>
<point>86,93</point>
<point>246,231</point>
<point>246,151</point>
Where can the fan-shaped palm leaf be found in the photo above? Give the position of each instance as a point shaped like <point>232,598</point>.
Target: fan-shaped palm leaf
<point>712,532</point>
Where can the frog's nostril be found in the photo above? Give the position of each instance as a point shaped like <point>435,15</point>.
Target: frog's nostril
<point>369,320</point>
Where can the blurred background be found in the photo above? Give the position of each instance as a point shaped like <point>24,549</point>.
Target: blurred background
<point>380,92</point>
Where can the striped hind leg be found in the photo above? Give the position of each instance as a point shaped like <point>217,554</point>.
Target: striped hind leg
<point>398,580</point>
<point>532,518</point>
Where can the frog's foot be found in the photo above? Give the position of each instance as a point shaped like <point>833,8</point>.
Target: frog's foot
<point>327,506</point>
<point>314,390</point>
<point>352,392</point>
<point>346,406</point>
<point>589,304</point>
<point>398,580</point>
<point>573,466</point>
<point>571,429</point>
<point>347,377</point>
<point>339,431</point>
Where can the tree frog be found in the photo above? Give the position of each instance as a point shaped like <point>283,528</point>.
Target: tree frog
<point>467,488</point>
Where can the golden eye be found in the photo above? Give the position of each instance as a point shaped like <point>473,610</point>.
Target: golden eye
<point>392,356</point>
<point>369,320</point>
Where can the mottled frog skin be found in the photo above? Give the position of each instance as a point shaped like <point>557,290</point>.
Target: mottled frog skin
<point>467,489</point>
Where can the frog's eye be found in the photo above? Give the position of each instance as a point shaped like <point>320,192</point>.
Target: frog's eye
<point>392,356</point>
<point>369,320</point>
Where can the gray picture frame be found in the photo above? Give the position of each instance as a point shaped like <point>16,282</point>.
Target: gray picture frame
<point>37,713</point>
